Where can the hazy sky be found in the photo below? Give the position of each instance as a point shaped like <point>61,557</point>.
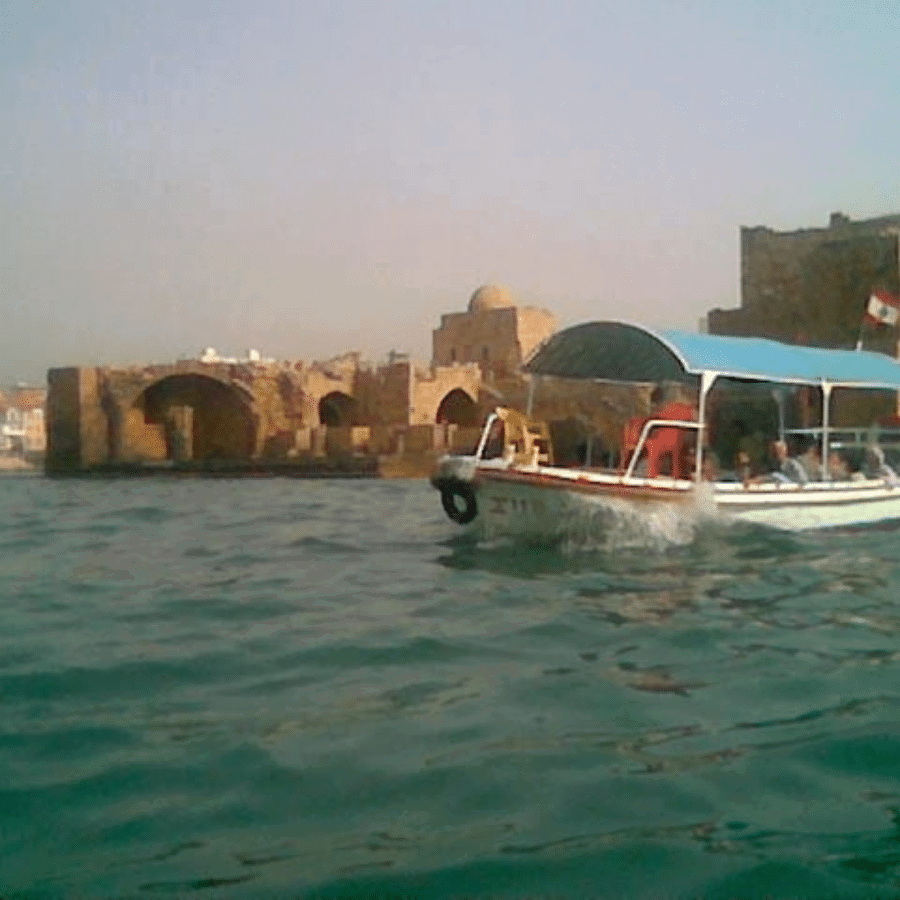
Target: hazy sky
<point>307,177</point>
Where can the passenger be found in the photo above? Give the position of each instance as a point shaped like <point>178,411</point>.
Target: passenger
<point>811,460</point>
<point>742,468</point>
<point>789,469</point>
<point>688,459</point>
<point>838,467</point>
<point>709,468</point>
<point>876,467</point>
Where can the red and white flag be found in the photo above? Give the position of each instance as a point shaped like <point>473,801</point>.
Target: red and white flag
<point>883,308</point>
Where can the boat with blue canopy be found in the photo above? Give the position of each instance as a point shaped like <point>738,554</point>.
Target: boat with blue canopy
<point>800,464</point>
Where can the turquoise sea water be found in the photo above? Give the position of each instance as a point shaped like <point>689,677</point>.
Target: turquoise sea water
<point>310,689</point>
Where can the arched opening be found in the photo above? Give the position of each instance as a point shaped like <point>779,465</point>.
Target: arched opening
<point>457,408</point>
<point>338,410</point>
<point>197,418</point>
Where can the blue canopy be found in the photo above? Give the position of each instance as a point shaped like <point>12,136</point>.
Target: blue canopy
<point>619,352</point>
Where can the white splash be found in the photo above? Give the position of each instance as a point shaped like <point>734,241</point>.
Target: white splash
<point>588,523</point>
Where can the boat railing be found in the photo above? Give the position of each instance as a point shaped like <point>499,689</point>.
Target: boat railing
<point>486,433</point>
<point>661,444</point>
<point>657,436</point>
<point>514,437</point>
<point>860,437</point>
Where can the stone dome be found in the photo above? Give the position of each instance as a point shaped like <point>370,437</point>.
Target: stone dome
<point>490,296</point>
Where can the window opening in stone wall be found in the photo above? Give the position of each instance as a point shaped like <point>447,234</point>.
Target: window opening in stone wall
<point>458,408</point>
<point>338,410</point>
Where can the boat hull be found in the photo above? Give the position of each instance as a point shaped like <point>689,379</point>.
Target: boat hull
<point>816,505</point>
<point>549,502</point>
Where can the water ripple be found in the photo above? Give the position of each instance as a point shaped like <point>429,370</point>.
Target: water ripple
<point>323,689</point>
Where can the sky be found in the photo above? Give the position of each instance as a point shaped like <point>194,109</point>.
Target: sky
<point>306,177</point>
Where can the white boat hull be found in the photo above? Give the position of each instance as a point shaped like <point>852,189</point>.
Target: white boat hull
<point>815,505</point>
<point>545,501</point>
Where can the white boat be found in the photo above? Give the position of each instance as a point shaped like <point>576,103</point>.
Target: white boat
<point>512,485</point>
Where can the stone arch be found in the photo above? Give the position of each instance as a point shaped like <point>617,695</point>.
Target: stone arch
<point>199,417</point>
<point>338,410</point>
<point>457,408</point>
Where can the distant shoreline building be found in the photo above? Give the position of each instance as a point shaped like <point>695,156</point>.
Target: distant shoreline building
<point>22,427</point>
<point>811,285</point>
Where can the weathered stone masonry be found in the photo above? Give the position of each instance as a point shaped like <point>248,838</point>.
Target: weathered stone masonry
<point>811,285</point>
<point>209,410</point>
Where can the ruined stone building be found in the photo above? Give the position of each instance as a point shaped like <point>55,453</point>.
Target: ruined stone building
<point>494,332</point>
<point>812,285</point>
<point>809,286</point>
<point>212,409</point>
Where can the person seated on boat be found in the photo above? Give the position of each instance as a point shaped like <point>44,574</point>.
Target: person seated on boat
<point>838,467</point>
<point>709,467</point>
<point>688,459</point>
<point>811,460</point>
<point>788,469</point>
<point>742,468</point>
<point>876,467</point>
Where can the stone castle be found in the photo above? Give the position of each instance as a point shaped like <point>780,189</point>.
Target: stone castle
<point>811,286</point>
<point>808,286</point>
<point>208,410</point>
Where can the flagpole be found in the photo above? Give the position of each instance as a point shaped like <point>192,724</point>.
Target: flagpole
<point>862,325</point>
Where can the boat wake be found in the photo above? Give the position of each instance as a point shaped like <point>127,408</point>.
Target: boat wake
<point>611,524</point>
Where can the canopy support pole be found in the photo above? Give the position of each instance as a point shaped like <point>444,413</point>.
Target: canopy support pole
<point>706,382</point>
<point>826,423</point>
<point>779,402</point>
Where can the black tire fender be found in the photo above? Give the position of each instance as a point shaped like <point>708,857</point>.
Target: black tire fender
<point>458,500</point>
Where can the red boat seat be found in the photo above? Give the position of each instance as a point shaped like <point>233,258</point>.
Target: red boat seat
<point>663,442</point>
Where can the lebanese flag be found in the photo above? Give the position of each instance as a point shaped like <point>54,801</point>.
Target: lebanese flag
<point>883,308</point>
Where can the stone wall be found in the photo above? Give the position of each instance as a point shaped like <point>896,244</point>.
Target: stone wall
<point>811,286</point>
<point>64,446</point>
<point>533,327</point>
<point>194,411</point>
<point>497,340</point>
<point>431,386</point>
<point>141,441</point>
<point>384,392</point>
<point>77,433</point>
<point>488,338</point>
